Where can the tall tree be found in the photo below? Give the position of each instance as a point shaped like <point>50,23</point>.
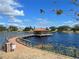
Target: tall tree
<point>12,28</point>
<point>52,28</point>
<point>63,28</point>
<point>27,29</point>
<point>76,28</point>
<point>47,28</point>
<point>2,28</point>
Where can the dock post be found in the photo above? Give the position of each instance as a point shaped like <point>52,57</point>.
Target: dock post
<point>7,47</point>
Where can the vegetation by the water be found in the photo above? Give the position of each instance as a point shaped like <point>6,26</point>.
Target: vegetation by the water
<point>30,53</point>
<point>63,28</point>
<point>61,49</point>
<point>69,51</point>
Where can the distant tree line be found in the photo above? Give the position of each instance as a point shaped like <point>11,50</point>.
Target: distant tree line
<point>65,28</point>
<point>14,28</point>
<point>52,28</point>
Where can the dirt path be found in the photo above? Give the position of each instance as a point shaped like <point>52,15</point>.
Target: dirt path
<point>23,52</point>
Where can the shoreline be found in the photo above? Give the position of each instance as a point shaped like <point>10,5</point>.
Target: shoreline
<point>24,52</point>
<point>77,32</point>
<point>51,31</point>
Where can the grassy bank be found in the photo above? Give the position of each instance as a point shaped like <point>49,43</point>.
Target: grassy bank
<point>31,53</point>
<point>67,51</point>
<point>24,52</point>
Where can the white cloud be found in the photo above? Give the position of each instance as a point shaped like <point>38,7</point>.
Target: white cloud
<point>13,24</point>
<point>18,21</point>
<point>41,19</point>
<point>71,23</point>
<point>14,20</point>
<point>67,22</point>
<point>43,22</point>
<point>2,23</point>
<point>9,8</point>
<point>16,24</point>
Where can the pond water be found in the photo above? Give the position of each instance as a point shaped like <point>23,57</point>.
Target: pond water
<point>61,42</point>
<point>57,38</point>
<point>6,35</point>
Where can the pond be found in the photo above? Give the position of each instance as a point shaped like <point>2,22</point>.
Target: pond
<point>6,35</point>
<point>59,42</point>
<point>58,38</point>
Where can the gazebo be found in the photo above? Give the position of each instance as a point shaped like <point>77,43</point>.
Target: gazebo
<point>41,32</point>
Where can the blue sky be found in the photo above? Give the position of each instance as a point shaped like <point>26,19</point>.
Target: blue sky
<point>24,13</point>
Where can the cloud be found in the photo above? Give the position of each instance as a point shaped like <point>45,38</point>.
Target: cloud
<point>67,22</point>
<point>15,20</point>
<point>43,22</point>
<point>10,8</point>
<point>40,19</point>
<point>13,24</point>
<point>71,23</point>
<point>16,24</point>
<point>1,23</point>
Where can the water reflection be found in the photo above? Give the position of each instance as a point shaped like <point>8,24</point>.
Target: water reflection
<point>37,40</point>
<point>57,38</point>
<point>58,41</point>
<point>65,39</point>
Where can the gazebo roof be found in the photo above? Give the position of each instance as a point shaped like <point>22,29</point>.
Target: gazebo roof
<point>40,29</point>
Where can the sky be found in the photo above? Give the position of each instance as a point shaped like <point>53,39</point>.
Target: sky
<point>25,13</point>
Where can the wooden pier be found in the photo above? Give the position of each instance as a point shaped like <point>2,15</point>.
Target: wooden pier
<point>33,35</point>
